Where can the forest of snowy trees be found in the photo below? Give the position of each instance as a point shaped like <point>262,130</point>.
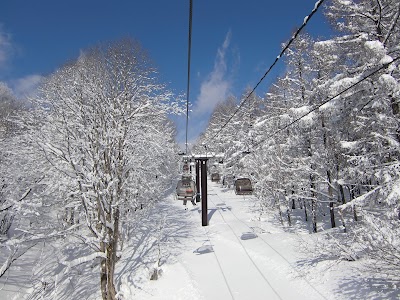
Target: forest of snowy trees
<point>324,141</point>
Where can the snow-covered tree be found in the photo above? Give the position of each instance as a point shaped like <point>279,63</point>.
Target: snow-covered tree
<point>7,108</point>
<point>103,131</point>
<point>19,180</point>
<point>370,143</point>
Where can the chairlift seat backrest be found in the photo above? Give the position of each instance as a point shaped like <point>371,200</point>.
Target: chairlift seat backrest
<point>215,177</point>
<point>185,189</point>
<point>243,186</point>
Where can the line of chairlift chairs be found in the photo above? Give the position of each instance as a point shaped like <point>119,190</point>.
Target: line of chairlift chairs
<point>186,186</point>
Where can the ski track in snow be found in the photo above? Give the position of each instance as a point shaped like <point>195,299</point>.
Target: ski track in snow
<point>270,273</point>
<point>231,258</point>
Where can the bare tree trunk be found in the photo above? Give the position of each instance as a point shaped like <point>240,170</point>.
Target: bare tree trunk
<point>343,222</point>
<point>305,212</point>
<point>111,292</point>
<point>107,267</point>
<point>112,257</point>
<point>352,196</point>
<point>331,204</point>
<point>328,175</point>
<point>103,272</point>
<point>355,213</point>
<point>293,200</point>
<point>332,214</point>
<point>314,215</point>
<point>396,111</point>
<point>280,213</point>
<point>342,197</point>
<point>313,205</point>
<point>312,188</point>
<point>289,216</point>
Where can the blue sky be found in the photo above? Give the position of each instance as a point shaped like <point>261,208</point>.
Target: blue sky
<point>233,42</point>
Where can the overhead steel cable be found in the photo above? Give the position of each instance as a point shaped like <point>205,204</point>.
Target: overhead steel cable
<point>384,66</point>
<point>188,72</point>
<point>306,19</point>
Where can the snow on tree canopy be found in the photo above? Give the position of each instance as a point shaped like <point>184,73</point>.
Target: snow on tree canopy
<point>349,145</point>
<point>345,2</point>
<point>259,124</point>
<point>328,43</point>
<point>327,106</point>
<point>376,52</point>
<point>300,110</point>
<point>389,82</point>
<point>376,47</point>
<point>304,112</point>
<point>386,59</point>
<point>342,84</point>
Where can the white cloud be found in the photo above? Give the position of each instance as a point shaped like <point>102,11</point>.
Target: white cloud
<point>5,47</point>
<point>27,86</point>
<point>216,86</point>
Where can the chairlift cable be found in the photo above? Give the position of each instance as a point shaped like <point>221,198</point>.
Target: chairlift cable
<point>188,71</point>
<point>324,102</point>
<point>305,22</point>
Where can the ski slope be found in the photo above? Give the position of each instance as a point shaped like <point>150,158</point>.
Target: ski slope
<point>234,257</point>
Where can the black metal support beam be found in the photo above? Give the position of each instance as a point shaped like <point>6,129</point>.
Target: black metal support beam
<point>198,181</point>
<point>201,181</point>
<point>204,208</point>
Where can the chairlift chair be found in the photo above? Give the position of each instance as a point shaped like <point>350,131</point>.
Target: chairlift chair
<point>186,189</point>
<point>215,177</point>
<point>243,186</point>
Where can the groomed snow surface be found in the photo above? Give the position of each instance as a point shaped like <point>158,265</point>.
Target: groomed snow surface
<point>239,255</point>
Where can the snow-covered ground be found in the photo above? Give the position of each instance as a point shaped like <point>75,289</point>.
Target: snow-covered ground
<point>239,255</point>
<point>232,258</point>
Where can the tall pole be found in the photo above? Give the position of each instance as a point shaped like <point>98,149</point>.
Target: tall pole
<point>198,180</point>
<point>204,216</point>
